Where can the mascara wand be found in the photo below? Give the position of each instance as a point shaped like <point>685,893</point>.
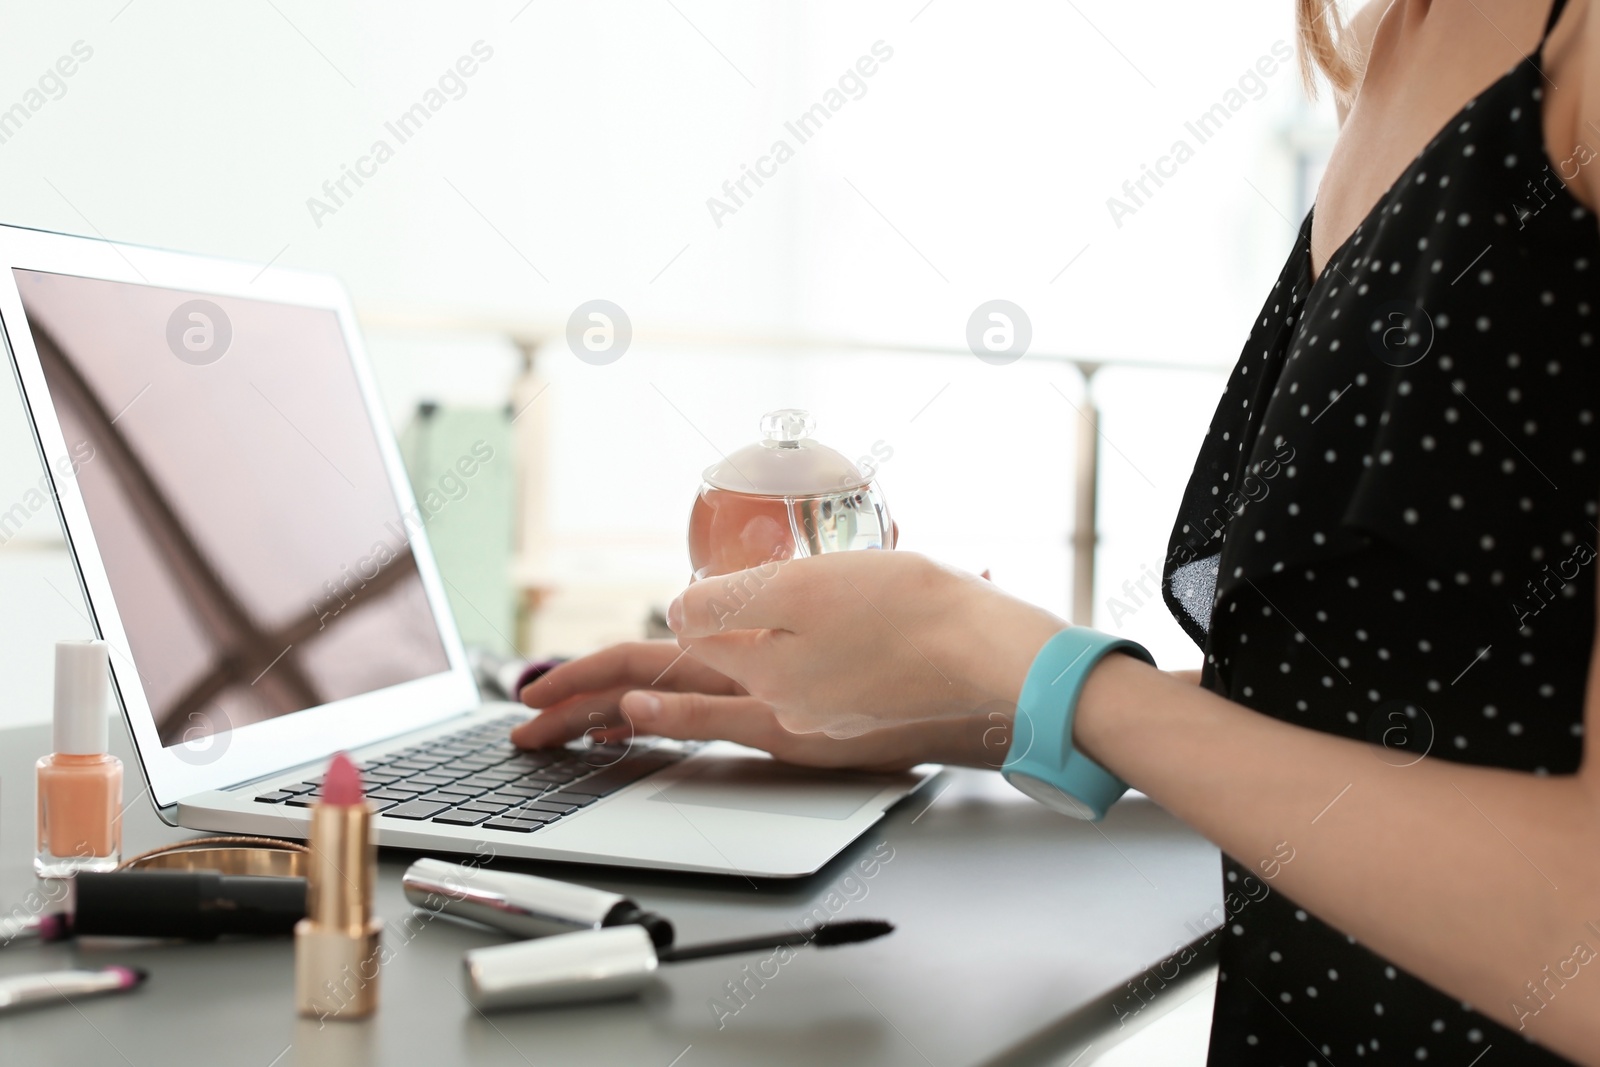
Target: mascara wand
<point>823,935</point>
<point>618,961</point>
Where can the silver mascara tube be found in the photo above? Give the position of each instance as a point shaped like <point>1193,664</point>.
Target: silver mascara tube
<point>524,904</point>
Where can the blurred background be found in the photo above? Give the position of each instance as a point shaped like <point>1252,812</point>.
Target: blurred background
<point>594,153</point>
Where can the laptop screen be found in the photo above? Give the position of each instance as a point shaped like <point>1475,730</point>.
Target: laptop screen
<point>259,559</point>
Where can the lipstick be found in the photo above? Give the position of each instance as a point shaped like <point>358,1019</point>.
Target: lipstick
<point>64,987</point>
<point>337,945</point>
<point>197,905</point>
<point>194,905</point>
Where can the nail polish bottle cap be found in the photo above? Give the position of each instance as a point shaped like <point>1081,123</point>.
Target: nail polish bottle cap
<point>81,723</point>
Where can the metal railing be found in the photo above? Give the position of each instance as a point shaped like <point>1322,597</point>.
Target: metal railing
<point>532,338</point>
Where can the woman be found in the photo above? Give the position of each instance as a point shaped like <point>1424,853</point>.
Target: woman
<point>1385,539</point>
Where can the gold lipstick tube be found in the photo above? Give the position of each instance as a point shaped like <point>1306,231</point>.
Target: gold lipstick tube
<point>338,945</point>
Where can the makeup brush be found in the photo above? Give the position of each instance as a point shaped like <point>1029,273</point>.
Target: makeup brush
<point>50,926</point>
<point>65,987</point>
<point>617,961</point>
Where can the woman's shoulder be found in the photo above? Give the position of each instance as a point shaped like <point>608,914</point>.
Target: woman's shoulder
<point>1572,59</point>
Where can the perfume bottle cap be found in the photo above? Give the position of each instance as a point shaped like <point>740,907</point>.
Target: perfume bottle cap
<point>82,727</point>
<point>786,462</point>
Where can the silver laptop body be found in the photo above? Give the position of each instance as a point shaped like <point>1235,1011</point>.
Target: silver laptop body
<point>250,547</point>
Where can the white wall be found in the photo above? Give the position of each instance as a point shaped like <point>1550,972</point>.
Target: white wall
<point>578,164</point>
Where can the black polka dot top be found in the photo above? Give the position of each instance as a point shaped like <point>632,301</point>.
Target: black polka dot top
<point>1389,535</point>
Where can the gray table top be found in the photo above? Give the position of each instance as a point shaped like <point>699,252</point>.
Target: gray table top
<point>1015,926</point>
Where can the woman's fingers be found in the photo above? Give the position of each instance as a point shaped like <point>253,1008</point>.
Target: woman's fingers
<point>574,717</point>
<point>635,664</point>
<point>754,657</point>
<point>619,715</point>
<point>753,599</point>
<point>747,721</point>
<point>698,717</point>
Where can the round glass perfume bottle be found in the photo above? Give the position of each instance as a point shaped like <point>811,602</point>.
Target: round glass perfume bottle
<point>783,497</point>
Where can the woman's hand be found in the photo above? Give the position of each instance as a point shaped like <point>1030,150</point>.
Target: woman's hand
<point>852,642</point>
<point>654,688</point>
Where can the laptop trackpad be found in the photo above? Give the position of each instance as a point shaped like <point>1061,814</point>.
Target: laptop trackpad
<point>755,784</point>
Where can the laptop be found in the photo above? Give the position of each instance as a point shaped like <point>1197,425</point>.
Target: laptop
<point>251,549</point>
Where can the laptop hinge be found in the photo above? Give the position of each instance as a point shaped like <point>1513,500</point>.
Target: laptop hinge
<point>167,814</point>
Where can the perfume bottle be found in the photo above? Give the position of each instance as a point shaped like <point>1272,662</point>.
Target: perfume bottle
<point>782,497</point>
<point>80,783</point>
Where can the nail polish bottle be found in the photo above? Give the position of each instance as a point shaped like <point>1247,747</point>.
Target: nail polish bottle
<point>80,783</point>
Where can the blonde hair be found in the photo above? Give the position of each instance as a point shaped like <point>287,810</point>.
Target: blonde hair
<point>1327,48</point>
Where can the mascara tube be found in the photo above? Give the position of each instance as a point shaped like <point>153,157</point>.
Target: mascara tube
<point>524,904</point>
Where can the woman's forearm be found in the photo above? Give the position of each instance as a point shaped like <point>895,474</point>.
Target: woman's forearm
<point>1480,881</point>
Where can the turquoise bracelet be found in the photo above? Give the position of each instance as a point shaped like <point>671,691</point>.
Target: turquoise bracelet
<point>1042,762</point>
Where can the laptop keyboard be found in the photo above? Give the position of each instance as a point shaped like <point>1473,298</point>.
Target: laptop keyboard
<point>477,777</point>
